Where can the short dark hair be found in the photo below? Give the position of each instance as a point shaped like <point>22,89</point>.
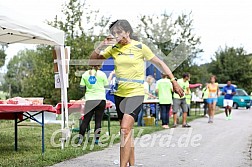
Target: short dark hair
<point>186,75</point>
<point>123,25</point>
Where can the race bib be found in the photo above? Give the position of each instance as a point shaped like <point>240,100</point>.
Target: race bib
<point>229,91</point>
<point>212,95</point>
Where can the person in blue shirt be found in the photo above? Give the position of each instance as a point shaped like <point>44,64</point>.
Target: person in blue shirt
<point>228,92</point>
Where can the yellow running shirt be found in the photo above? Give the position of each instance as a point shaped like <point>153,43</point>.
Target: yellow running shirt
<point>129,64</point>
<point>212,89</point>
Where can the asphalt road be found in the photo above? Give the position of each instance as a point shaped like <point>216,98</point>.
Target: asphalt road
<point>225,143</point>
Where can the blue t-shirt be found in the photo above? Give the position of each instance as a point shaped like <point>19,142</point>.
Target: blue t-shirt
<point>229,90</point>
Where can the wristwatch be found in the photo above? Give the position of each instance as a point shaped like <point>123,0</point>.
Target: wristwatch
<point>173,79</point>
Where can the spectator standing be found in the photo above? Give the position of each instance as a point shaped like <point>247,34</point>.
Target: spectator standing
<point>180,102</point>
<point>164,91</point>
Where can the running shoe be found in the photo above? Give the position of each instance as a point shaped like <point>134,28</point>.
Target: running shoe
<point>227,118</point>
<point>210,121</point>
<point>186,126</point>
<point>230,117</point>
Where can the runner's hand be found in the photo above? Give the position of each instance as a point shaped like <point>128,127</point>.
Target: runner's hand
<point>177,89</point>
<point>109,40</point>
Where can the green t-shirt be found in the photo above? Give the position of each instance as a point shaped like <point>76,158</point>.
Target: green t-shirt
<point>184,86</point>
<point>205,93</point>
<point>94,85</point>
<point>188,97</point>
<point>164,87</point>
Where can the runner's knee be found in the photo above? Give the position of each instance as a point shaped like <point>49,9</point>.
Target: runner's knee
<point>125,131</point>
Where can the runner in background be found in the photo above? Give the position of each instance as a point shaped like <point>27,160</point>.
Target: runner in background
<point>213,89</point>
<point>228,91</point>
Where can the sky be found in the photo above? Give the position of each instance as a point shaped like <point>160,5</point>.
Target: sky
<point>219,23</point>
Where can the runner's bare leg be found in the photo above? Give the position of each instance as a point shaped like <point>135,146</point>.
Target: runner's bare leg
<point>126,141</point>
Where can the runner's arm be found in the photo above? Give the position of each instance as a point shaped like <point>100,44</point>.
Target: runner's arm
<point>155,60</point>
<point>96,58</point>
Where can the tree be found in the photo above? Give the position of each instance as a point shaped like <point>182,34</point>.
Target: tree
<point>30,74</point>
<point>2,55</point>
<point>39,82</point>
<point>199,73</point>
<point>174,38</point>
<point>19,67</point>
<point>233,64</point>
<point>80,38</point>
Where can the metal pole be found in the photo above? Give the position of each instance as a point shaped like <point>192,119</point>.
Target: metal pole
<point>16,131</point>
<point>43,137</point>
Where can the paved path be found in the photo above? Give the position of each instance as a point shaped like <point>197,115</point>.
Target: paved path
<point>223,143</point>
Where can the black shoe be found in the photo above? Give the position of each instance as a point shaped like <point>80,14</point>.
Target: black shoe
<point>186,126</point>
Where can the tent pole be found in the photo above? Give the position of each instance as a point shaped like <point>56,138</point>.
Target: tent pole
<point>60,52</point>
<point>62,117</point>
<point>64,74</point>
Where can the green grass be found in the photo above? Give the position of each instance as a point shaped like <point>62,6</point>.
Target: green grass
<point>29,143</point>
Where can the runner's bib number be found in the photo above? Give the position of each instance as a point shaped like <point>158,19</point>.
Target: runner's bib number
<point>213,95</point>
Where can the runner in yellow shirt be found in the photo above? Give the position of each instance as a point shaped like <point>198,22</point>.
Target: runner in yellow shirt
<point>129,56</point>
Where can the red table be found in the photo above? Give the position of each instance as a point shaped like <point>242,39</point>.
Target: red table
<point>76,107</point>
<point>18,111</point>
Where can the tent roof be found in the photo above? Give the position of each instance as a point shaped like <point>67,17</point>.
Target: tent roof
<point>16,29</point>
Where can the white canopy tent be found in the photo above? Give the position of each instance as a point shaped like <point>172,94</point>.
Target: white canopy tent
<point>15,28</point>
